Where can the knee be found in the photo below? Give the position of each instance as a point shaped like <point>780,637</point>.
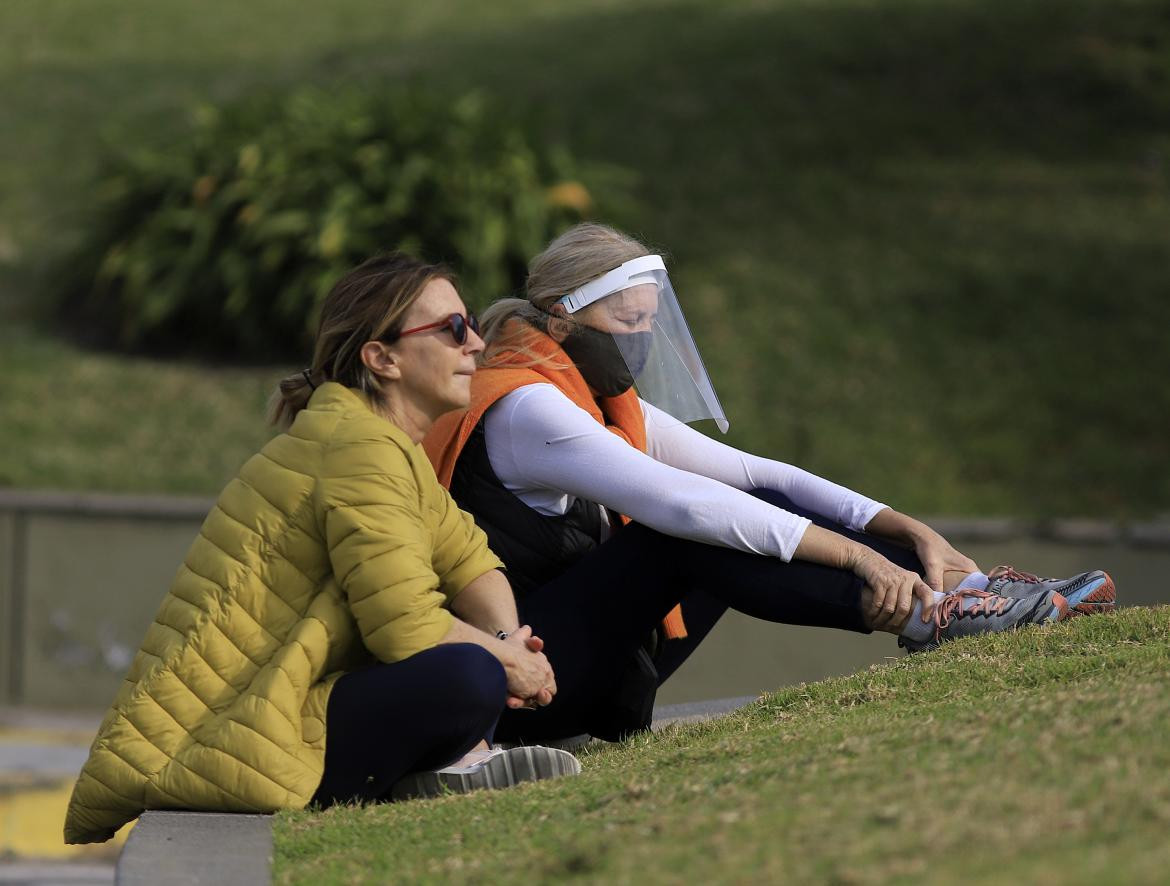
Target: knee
<point>476,679</point>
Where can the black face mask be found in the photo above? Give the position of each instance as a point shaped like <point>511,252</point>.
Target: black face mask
<point>599,359</point>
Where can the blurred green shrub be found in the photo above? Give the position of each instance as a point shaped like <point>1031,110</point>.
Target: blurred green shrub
<point>225,242</point>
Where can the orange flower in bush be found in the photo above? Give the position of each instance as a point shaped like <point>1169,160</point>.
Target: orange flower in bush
<point>570,195</point>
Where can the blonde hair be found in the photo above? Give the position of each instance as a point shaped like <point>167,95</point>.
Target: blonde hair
<point>367,304</point>
<point>580,254</point>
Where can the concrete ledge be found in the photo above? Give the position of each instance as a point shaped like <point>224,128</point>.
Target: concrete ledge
<point>1155,533</point>
<point>993,529</point>
<point>66,725</point>
<point>1072,531</point>
<point>103,504</point>
<point>696,711</point>
<point>41,873</point>
<point>197,849</point>
<point>1151,535</point>
<point>1083,532</point>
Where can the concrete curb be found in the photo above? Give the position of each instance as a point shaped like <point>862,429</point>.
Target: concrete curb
<point>696,711</point>
<point>26,873</point>
<point>220,849</point>
<point>197,849</point>
<point>105,504</point>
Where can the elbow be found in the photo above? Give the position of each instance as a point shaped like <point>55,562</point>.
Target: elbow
<point>399,638</point>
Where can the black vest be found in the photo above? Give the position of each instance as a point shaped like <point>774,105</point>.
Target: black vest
<point>534,547</point>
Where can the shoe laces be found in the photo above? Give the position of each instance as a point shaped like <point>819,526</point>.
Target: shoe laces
<point>1013,574</point>
<point>952,606</point>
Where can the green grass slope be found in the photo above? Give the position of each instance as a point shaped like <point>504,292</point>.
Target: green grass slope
<point>923,245</point>
<point>1039,757</point>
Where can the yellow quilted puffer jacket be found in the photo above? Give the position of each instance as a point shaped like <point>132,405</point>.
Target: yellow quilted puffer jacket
<point>334,546</point>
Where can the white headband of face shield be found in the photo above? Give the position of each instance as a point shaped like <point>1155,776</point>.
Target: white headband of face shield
<point>647,269</point>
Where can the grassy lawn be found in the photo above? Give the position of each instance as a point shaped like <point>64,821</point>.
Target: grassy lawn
<point>925,246</point>
<point>76,419</point>
<point>1035,757</point>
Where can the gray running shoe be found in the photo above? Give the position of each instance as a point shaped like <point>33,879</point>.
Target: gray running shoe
<point>570,743</point>
<point>969,612</point>
<point>1087,593</point>
<point>497,768</point>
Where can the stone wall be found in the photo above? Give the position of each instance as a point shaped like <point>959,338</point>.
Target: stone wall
<point>81,576</point>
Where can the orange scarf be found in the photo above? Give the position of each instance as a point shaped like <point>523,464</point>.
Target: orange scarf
<point>509,370</point>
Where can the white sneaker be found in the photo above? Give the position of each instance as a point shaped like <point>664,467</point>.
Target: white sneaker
<point>496,768</point>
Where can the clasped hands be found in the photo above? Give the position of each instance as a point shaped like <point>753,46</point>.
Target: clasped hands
<point>530,677</point>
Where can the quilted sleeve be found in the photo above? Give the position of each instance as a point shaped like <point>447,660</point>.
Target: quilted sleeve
<point>380,547</point>
<point>461,548</point>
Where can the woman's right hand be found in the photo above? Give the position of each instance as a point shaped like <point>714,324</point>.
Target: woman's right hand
<point>530,676</point>
<point>894,590</point>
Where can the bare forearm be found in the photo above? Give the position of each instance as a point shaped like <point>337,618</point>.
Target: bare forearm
<point>487,603</point>
<point>462,632</point>
<point>897,527</point>
<point>829,549</point>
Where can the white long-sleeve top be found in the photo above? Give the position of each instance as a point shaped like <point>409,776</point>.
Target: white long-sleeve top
<point>548,451</point>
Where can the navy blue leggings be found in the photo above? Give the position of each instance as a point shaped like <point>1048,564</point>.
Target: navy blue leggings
<point>597,614</point>
<point>423,712</point>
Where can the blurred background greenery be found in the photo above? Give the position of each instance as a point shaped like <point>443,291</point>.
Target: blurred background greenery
<point>923,244</point>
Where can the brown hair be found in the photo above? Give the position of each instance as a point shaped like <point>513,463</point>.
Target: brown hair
<point>367,304</point>
<point>580,254</point>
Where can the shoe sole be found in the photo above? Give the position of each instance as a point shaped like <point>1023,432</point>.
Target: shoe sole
<point>1060,611</point>
<point>1098,595</point>
<point>502,771</point>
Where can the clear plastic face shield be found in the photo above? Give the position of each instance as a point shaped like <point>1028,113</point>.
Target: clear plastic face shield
<point>632,317</point>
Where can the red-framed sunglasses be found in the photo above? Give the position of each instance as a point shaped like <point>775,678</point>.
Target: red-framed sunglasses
<point>457,323</point>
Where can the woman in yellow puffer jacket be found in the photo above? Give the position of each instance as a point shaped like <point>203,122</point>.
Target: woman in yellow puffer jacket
<point>339,629</point>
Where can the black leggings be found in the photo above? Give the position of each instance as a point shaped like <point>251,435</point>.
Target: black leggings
<point>596,615</point>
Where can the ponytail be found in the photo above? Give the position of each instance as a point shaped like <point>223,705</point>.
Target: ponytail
<point>290,397</point>
<point>493,326</point>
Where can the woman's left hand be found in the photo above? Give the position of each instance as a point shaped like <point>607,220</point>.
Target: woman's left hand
<point>939,557</point>
<point>523,638</point>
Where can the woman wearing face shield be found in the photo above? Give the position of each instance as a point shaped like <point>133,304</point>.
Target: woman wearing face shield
<point>614,517</point>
